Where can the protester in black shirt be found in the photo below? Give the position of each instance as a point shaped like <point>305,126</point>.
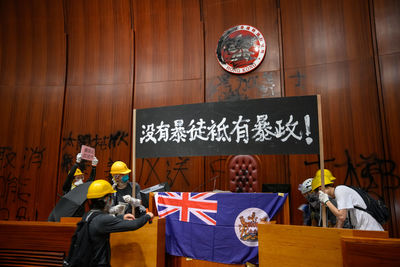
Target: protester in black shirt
<point>75,176</point>
<point>100,199</point>
<point>122,185</point>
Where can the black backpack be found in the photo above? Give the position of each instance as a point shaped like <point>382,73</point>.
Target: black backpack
<point>376,208</point>
<point>80,251</point>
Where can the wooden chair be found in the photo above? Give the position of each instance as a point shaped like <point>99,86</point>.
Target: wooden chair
<point>243,173</point>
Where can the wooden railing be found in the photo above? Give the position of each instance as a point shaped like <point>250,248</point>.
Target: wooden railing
<point>34,243</point>
<point>47,243</point>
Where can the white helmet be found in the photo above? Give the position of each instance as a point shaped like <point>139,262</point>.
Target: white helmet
<point>305,187</point>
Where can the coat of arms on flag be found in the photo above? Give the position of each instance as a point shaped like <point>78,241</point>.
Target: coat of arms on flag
<point>219,227</point>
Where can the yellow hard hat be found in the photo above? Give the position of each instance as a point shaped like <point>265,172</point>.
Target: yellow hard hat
<point>119,167</point>
<point>78,172</point>
<point>99,188</point>
<point>328,178</point>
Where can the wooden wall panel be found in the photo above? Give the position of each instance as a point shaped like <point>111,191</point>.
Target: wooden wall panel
<point>327,50</point>
<point>317,32</point>
<point>169,60</point>
<point>387,23</point>
<point>168,37</point>
<point>168,93</point>
<point>32,76</point>
<point>32,43</point>
<point>99,42</point>
<point>390,69</point>
<point>98,98</point>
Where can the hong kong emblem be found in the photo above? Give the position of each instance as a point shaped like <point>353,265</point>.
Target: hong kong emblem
<point>241,49</point>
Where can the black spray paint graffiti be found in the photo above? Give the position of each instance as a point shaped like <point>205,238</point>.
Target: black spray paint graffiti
<point>14,189</point>
<point>152,170</point>
<point>95,141</point>
<point>32,156</point>
<point>177,170</point>
<point>298,76</point>
<point>215,169</point>
<point>172,172</point>
<point>373,171</point>
<point>232,87</point>
<point>7,157</point>
<point>105,142</point>
<point>216,173</point>
<point>21,214</point>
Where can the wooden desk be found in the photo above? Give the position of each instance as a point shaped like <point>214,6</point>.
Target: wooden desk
<point>363,251</point>
<point>34,243</point>
<point>143,247</point>
<point>47,244</point>
<point>70,219</point>
<point>291,245</point>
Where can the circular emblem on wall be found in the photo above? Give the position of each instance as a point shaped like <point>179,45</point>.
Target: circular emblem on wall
<point>246,225</point>
<point>241,49</point>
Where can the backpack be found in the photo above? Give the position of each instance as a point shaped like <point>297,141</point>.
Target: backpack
<point>80,250</point>
<point>375,208</point>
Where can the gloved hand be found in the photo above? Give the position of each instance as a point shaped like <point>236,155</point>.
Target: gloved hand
<point>95,161</point>
<point>323,197</point>
<point>118,209</point>
<point>79,158</point>
<point>131,200</point>
<point>142,209</point>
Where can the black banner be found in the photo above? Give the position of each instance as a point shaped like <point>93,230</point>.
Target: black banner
<point>287,125</point>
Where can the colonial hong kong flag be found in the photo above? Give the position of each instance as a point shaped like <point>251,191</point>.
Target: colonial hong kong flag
<point>219,227</point>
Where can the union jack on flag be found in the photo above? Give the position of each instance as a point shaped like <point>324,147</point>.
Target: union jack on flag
<point>185,203</point>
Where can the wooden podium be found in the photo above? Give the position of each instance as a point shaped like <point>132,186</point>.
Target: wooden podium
<point>142,247</point>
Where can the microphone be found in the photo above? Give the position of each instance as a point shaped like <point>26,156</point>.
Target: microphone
<point>213,178</point>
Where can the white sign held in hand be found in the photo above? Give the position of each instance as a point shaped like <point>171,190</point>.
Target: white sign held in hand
<point>87,152</point>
